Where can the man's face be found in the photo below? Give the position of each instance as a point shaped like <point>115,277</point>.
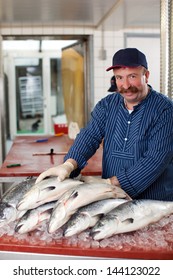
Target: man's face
<point>132,83</point>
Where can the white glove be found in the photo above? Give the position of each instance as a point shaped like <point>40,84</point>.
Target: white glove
<point>95,179</point>
<point>62,171</point>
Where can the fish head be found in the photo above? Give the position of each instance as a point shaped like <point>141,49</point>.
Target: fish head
<point>46,188</point>
<point>7,213</point>
<point>68,200</point>
<point>30,198</point>
<point>104,228</point>
<point>57,218</point>
<point>40,193</point>
<point>27,223</point>
<point>77,223</point>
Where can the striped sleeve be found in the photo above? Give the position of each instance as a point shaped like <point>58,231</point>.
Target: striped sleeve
<point>90,137</point>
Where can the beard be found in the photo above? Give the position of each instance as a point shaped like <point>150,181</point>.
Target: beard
<point>132,89</point>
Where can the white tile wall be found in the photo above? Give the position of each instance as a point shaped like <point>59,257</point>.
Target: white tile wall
<point>113,40</point>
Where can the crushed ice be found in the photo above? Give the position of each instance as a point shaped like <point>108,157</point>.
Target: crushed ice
<point>157,236</point>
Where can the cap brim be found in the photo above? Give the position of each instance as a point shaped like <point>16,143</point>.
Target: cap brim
<point>115,66</point>
<point>110,68</point>
<point>118,66</point>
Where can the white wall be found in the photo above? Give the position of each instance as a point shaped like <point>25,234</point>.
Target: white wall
<point>150,45</point>
<point>116,40</point>
<point>113,40</point>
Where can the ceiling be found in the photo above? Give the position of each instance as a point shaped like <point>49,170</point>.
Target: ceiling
<point>109,14</point>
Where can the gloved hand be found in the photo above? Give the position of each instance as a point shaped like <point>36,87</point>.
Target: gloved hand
<point>111,181</point>
<point>94,179</point>
<point>62,171</point>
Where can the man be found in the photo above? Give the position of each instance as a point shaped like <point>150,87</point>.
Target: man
<point>136,126</point>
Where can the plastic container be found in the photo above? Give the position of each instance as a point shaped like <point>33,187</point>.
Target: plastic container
<point>61,128</point>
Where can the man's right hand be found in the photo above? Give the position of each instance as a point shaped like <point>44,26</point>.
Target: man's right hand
<point>62,171</point>
<point>94,179</point>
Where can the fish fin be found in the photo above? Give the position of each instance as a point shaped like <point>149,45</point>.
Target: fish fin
<point>47,189</point>
<point>51,188</point>
<point>72,196</point>
<point>18,227</point>
<point>49,211</point>
<point>45,215</point>
<point>128,221</point>
<point>100,215</point>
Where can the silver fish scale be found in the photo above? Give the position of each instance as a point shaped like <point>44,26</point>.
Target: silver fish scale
<point>3,205</point>
<point>100,206</point>
<point>131,208</point>
<point>16,192</point>
<point>39,209</point>
<point>87,216</point>
<point>141,207</point>
<point>131,216</point>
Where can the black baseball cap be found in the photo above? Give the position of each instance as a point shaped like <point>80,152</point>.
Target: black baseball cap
<point>129,57</point>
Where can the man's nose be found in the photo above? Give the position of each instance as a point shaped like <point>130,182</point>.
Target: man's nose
<point>126,83</point>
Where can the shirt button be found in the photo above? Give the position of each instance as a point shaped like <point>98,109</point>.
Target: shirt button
<point>128,122</point>
<point>125,139</point>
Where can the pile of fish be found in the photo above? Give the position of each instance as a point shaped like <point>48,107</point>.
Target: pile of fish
<point>75,206</point>
<point>9,201</point>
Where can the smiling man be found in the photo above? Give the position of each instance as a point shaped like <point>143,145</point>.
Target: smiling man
<point>132,84</point>
<point>136,127</point>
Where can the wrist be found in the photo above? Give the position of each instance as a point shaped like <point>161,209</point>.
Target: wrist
<point>69,165</point>
<point>108,181</point>
<point>114,181</point>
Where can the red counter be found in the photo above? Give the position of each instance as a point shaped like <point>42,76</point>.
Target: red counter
<point>24,149</point>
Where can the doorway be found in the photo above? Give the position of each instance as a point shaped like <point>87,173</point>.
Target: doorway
<point>45,88</point>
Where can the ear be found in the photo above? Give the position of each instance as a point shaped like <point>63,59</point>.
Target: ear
<point>147,74</point>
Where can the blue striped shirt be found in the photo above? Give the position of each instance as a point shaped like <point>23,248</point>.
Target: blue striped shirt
<point>137,147</point>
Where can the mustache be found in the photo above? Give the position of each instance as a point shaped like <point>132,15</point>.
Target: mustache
<point>132,89</point>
